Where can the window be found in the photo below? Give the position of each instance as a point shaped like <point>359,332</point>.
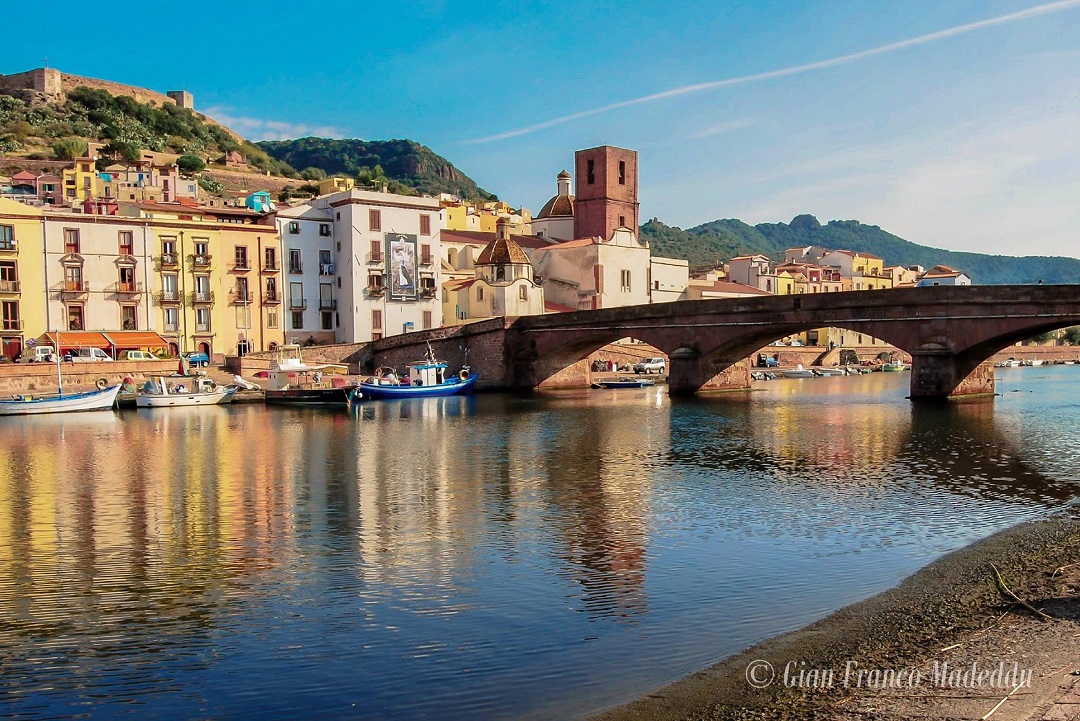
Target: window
<point>500,273</point>
<point>172,319</point>
<point>9,277</point>
<point>622,221</point>
<point>376,251</point>
<point>242,292</point>
<point>376,320</point>
<point>202,288</point>
<point>425,254</point>
<point>296,296</point>
<point>129,317</point>
<point>327,320</point>
<point>243,317</point>
<point>202,248</point>
<point>374,280</point>
<point>168,248</point>
<point>127,243</point>
<point>73,277</point>
<point>324,230</point>
<point>294,227</point>
<point>590,171</point>
<point>295,263</point>
<point>270,258</point>
<point>75,317</point>
<point>271,289</point>
<point>297,321</point>
<point>523,292</point>
<point>127,280</point>
<point>426,322</point>
<point>622,172</point>
<point>11,315</point>
<point>425,225</point>
<point>427,282</point>
<point>480,293</point>
<point>271,318</point>
<point>202,320</point>
<point>71,240</point>
<point>240,256</point>
<point>624,281</point>
<point>374,221</point>
<point>7,237</point>
<point>168,287</point>
<point>326,296</point>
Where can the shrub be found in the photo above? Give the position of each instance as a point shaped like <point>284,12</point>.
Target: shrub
<point>69,149</point>
<point>190,164</point>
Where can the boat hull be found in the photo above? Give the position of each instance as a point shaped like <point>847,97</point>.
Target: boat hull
<point>311,396</point>
<point>457,387</point>
<point>626,384</point>
<point>218,397</point>
<point>798,374</point>
<point>101,400</point>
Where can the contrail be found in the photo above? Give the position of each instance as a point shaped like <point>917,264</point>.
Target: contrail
<point>1036,11</point>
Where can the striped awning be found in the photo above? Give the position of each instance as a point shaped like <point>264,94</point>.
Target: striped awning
<point>115,339</point>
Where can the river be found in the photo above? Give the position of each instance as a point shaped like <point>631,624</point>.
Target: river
<point>496,556</point>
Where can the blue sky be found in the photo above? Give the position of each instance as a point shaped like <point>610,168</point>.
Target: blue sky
<point>968,139</point>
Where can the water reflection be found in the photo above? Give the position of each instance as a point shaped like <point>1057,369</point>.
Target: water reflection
<point>464,556</point>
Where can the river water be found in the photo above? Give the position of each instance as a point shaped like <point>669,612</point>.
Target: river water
<point>496,557</point>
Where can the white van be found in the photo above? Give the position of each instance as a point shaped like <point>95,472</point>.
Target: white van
<point>39,354</point>
<point>89,355</point>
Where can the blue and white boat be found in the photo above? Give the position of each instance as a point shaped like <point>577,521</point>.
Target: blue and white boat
<point>101,399</point>
<point>423,379</point>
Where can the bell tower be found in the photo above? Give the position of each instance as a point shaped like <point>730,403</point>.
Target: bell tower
<point>607,191</point>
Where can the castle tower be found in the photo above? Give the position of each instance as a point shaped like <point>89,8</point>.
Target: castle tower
<point>607,191</point>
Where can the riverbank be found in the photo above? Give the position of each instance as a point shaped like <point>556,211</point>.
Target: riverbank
<point>951,612</point>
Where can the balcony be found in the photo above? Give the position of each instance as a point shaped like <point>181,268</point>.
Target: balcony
<point>168,297</point>
<point>376,291</point>
<point>8,324</point>
<point>201,261</point>
<point>429,292</point>
<point>9,286</point>
<point>271,267</point>
<point>240,296</point>
<point>201,297</point>
<point>375,258</point>
<point>272,298</point>
<point>239,267</point>
<point>72,289</point>
<point>426,260</point>
<point>172,327</point>
<point>9,245</point>
<point>327,303</point>
<point>296,268</point>
<point>326,269</point>
<point>125,291</point>
<point>297,303</point>
<point>168,260</point>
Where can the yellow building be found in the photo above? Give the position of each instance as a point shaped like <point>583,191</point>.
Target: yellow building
<point>82,182</point>
<point>22,282</point>
<point>335,184</point>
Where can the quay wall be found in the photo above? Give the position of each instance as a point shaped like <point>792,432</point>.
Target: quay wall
<point>41,377</point>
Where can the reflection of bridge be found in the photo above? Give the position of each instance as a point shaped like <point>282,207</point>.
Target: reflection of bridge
<point>950,332</point>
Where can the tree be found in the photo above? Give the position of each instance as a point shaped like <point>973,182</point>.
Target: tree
<point>1044,337</point>
<point>190,164</point>
<point>123,151</point>
<point>1072,335</point>
<point>69,149</point>
<point>313,173</point>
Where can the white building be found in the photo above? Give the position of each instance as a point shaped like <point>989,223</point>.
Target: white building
<point>388,254</point>
<point>309,255</point>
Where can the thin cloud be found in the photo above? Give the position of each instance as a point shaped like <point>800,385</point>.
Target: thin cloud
<point>1036,11</point>
<point>721,128</point>
<point>262,129</point>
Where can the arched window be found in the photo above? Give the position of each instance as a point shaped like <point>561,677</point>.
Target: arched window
<point>523,292</point>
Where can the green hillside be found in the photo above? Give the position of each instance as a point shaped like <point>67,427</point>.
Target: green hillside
<point>720,240</point>
<point>408,165</point>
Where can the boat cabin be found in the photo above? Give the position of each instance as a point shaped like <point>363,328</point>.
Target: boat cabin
<point>178,385</point>
<point>288,371</point>
<point>426,373</point>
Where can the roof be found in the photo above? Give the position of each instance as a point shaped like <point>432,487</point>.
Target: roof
<point>552,307</point>
<point>749,257</point>
<point>563,174</point>
<point>459,284</point>
<point>475,237</point>
<point>501,251</point>
<point>23,175</point>
<point>558,206</point>
<point>723,286</point>
<point>856,254</point>
<point>579,243</point>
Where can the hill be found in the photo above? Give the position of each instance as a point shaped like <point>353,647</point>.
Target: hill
<point>414,166</point>
<point>720,240</point>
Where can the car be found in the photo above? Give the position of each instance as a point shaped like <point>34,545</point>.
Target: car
<point>136,355</point>
<point>796,342</point>
<point>87,355</point>
<point>39,354</point>
<point>651,364</point>
<point>197,358</point>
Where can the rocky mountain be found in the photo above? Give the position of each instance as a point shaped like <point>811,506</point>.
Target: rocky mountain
<point>719,240</point>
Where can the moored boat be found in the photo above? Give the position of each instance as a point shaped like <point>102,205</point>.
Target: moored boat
<point>626,383</point>
<point>893,367</point>
<point>797,372</point>
<point>825,372</point>
<point>168,391</point>
<point>290,381</point>
<point>101,399</point>
<point>423,379</point>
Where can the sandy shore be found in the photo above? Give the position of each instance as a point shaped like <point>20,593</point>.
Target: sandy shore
<point>938,622</point>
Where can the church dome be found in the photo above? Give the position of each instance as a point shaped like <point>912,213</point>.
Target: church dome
<point>560,205</point>
<point>502,251</point>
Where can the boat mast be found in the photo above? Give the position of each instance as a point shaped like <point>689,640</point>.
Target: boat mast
<point>56,355</point>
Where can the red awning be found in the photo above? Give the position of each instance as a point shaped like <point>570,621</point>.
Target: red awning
<point>135,339</point>
<point>77,339</point>
<point>112,339</point>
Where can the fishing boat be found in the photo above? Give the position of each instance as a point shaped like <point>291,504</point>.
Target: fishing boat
<point>893,367</point>
<point>626,383</point>
<point>169,391</point>
<point>101,399</point>
<point>423,379</point>
<point>798,372</point>
<point>1032,362</point>
<point>826,372</point>
<point>291,381</point>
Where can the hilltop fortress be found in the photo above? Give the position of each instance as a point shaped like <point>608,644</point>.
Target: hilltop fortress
<point>44,85</point>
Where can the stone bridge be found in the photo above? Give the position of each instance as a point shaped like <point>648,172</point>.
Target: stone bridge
<point>949,332</point>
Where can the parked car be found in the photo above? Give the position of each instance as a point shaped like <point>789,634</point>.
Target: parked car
<point>87,355</point>
<point>796,342</point>
<point>197,359</point>
<point>651,364</point>
<point>135,355</point>
<point>39,354</point>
